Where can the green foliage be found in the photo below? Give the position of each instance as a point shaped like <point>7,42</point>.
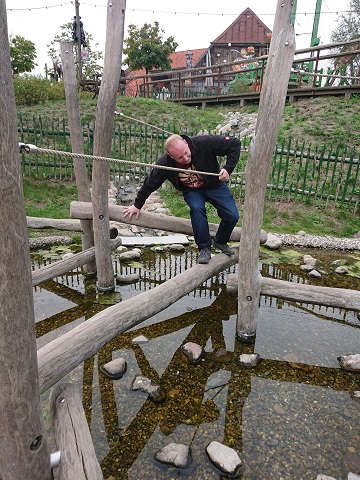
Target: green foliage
<point>145,48</point>
<point>34,89</point>
<point>90,68</point>
<point>23,54</point>
<point>348,28</point>
<point>240,87</point>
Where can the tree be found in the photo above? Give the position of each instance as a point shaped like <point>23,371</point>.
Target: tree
<point>91,67</point>
<point>145,48</point>
<point>23,54</point>
<point>348,28</point>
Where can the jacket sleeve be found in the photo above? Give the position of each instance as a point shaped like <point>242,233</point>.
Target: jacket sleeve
<point>152,182</point>
<point>229,147</point>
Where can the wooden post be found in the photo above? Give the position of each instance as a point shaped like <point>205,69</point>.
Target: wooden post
<point>102,141</point>
<point>72,436</point>
<point>272,101</point>
<point>77,144</point>
<point>24,450</point>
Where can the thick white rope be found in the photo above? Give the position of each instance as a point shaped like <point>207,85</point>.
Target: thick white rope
<point>29,148</point>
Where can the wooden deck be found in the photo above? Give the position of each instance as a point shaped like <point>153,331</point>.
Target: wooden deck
<point>253,97</point>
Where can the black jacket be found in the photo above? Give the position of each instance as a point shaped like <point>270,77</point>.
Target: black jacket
<point>204,152</point>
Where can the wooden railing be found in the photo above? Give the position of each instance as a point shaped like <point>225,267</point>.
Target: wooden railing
<point>323,66</point>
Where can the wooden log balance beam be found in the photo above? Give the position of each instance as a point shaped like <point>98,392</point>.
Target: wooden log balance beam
<point>57,223</point>
<point>298,292</point>
<point>157,221</point>
<point>62,266</point>
<point>63,354</point>
<point>72,435</point>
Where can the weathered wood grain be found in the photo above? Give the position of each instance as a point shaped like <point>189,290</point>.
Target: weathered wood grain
<point>24,452</point>
<point>104,123</point>
<point>77,143</point>
<point>271,106</point>
<point>298,292</point>
<point>72,436</point>
<point>157,221</point>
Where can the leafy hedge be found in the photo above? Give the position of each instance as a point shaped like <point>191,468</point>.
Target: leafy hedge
<point>32,89</point>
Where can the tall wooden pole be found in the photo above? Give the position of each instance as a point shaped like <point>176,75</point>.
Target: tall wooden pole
<point>24,450</point>
<point>272,101</point>
<point>104,124</point>
<point>77,144</point>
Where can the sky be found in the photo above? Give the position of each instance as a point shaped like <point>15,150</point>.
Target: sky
<point>193,24</point>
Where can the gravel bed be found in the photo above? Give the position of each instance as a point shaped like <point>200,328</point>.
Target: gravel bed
<point>315,241</point>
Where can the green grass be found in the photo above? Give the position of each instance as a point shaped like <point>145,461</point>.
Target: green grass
<point>282,217</point>
<point>48,199</point>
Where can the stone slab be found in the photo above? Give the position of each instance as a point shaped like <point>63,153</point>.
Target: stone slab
<point>155,240</point>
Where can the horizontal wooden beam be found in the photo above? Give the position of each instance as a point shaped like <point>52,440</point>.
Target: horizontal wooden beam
<point>57,223</point>
<point>299,292</point>
<point>157,221</point>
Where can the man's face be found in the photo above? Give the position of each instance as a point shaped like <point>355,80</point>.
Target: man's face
<point>180,152</point>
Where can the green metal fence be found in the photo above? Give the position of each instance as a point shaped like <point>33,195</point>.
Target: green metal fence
<point>321,175</point>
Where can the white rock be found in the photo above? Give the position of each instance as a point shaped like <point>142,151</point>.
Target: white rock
<point>314,274</point>
<point>114,369</point>
<point>342,270</point>
<point>350,362</point>
<point>353,476</point>
<point>223,457</point>
<point>324,477</point>
<point>273,242</point>
<point>175,454</point>
<point>140,339</point>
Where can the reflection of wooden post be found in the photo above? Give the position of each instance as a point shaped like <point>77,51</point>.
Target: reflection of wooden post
<point>77,144</point>
<point>102,140</point>
<point>24,450</point>
<point>272,101</point>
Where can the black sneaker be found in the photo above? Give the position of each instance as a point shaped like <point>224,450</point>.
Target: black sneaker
<point>204,255</point>
<point>224,247</point>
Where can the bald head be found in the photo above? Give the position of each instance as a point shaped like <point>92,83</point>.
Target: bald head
<point>178,149</point>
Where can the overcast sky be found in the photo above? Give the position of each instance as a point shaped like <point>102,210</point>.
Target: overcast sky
<point>193,24</point>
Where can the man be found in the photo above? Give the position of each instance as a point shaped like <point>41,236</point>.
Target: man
<point>192,154</point>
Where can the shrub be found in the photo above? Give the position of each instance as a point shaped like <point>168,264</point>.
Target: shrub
<point>33,89</point>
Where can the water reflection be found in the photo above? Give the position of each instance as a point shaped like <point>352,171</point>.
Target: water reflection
<point>291,417</point>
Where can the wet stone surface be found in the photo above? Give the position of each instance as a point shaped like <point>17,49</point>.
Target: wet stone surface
<point>175,454</point>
